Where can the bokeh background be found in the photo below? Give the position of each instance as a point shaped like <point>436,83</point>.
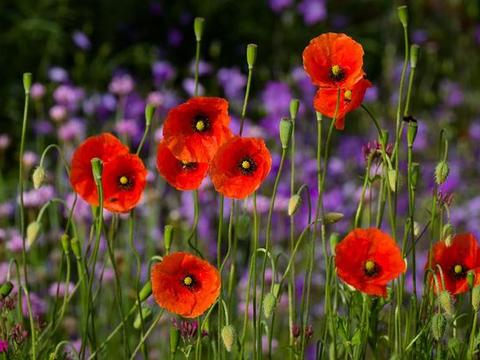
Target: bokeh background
<point>96,63</point>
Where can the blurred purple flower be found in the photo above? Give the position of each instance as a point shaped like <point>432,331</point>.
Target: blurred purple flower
<point>100,105</point>
<point>3,346</point>
<point>134,106</point>
<point>5,141</point>
<point>174,37</point>
<point>68,95</point>
<point>6,209</point>
<point>43,127</point>
<point>162,71</point>
<point>155,98</point>
<point>204,68</point>
<point>474,130</point>
<point>121,84</point>
<point>57,113</point>
<point>62,289</point>
<point>313,11</point>
<point>276,98</point>
<point>232,81</point>
<point>37,91</point>
<point>15,241</point>
<point>189,86</point>
<point>419,36</point>
<point>71,130</point>
<point>39,306</point>
<point>452,93</point>
<point>371,94</point>
<point>81,40</point>
<point>82,211</point>
<point>128,127</point>
<point>57,74</point>
<point>29,159</point>
<point>38,197</point>
<point>279,5</point>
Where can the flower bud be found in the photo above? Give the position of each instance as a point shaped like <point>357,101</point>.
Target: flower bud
<point>414,49</point>
<point>471,279</point>
<point>415,175</point>
<point>392,179</point>
<point>97,168</point>
<point>32,232</point>
<point>439,324</point>
<point>167,237</point>
<point>145,292</point>
<point>294,204</point>
<point>334,240</point>
<point>243,226</point>
<point>476,298</point>
<point>146,315</point>
<point>441,172</point>
<point>447,234</point>
<point>5,289</point>
<point>403,15</point>
<point>228,337</point>
<point>65,240</point>
<point>269,303</point>
<point>294,105</point>
<point>411,132</point>
<point>332,217</point>
<point>251,55</point>
<point>286,127</point>
<point>75,244</point>
<point>445,302</point>
<point>27,82</point>
<point>198,25</point>
<point>38,177</point>
<point>149,110</point>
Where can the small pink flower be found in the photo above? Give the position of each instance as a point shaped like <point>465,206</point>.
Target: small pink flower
<point>3,346</point>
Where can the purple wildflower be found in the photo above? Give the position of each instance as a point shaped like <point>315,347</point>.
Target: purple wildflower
<point>58,113</point>
<point>62,289</point>
<point>162,71</point>
<point>175,37</point>
<point>5,141</point>
<point>278,6</point>
<point>232,81</point>
<point>189,86</point>
<point>37,91</point>
<point>57,74</point>
<point>276,98</point>
<point>81,40</point>
<point>121,84</point>
<point>71,130</point>
<point>3,346</point>
<point>313,11</point>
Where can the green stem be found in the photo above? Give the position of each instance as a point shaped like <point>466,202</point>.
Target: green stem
<point>366,180</point>
<point>197,61</point>
<point>193,231</point>
<point>245,100</point>
<point>147,333</point>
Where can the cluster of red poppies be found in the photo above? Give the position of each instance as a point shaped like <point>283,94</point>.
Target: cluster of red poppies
<point>334,63</point>
<point>197,141</point>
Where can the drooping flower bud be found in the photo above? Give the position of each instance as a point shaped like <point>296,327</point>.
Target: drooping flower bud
<point>5,289</point>
<point>294,204</point>
<point>145,292</point>
<point>334,240</point>
<point>285,129</point>
<point>32,232</point>
<point>411,132</point>
<point>65,240</point>
<point>269,303</point>
<point>146,315</point>
<point>439,324</point>
<point>441,172</point>
<point>447,234</point>
<point>332,217</point>
<point>445,301</point>
<point>228,337</point>
<point>38,177</point>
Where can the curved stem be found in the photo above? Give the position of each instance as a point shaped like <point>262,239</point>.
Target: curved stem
<point>193,231</point>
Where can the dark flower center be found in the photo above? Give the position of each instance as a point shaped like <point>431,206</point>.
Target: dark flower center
<point>190,282</point>
<point>247,166</point>
<point>337,73</point>
<point>201,123</point>
<point>125,183</point>
<point>459,271</point>
<point>188,166</point>
<point>370,268</point>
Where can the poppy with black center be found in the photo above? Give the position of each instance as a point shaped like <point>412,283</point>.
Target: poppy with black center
<point>240,166</point>
<point>194,130</point>
<point>368,259</point>
<point>456,260</point>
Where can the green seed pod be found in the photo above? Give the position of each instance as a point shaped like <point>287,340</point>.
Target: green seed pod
<point>5,289</point>
<point>439,324</point>
<point>251,55</point>
<point>32,232</point>
<point>471,279</point>
<point>445,301</point>
<point>146,314</point>
<point>65,240</point>
<point>269,303</point>
<point>392,179</point>
<point>476,298</point>
<point>149,110</point>
<point>411,132</point>
<point>167,237</point>
<point>403,15</point>
<point>332,217</point>
<point>27,82</point>
<point>198,26</point>
<point>294,204</point>
<point>75,244</point>
<point>228,337</point>
<point>285,129</point>
<point>243,226</point>
<point>97,168</point>
<point>38,177</point>
<point>441,172</point>
<point>334,240</point>
<point>145,292</point>
<point>294,105</point>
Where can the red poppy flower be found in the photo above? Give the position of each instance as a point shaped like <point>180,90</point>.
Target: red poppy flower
<point>240,166</point>
<point>456,260</point>
<point>368,259</point>
<point>185,284</point>
<point>325,101</point>
<point>105,147</point>
<point>194,130</point>
<point>333,60</point>
<point>123,180</point>
<point>181,175</point>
